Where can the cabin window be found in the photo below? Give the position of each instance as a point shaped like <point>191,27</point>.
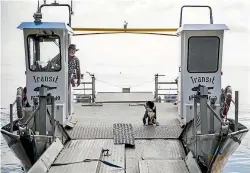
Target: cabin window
<point>44,53</point>
<point>203,54</point>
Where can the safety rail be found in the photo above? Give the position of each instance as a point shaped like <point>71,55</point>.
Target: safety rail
<point>157,89</point>
<point>38,15</point>
<point>197,6</point>
<point>92,88</point>
<point>203,112</point>
<point>41,108</point>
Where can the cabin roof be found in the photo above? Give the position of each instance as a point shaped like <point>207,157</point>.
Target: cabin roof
<point>202,27</point>
<point>44,25</point>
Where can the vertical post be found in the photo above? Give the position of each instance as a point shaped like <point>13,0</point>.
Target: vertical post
<point>195,126</point>
<point>156,87</point>
<point>36,118</point>
<point>69,88</point>
<point>211,131</point>
<point>84,89</point>
<point>212,104</point>
<point>69,100</point>
<point>203,110</point>
<point>93,88</point>
<point>42,110</point>
<point>236,110</point>
<point>11,118</point>
<point>53,116</point>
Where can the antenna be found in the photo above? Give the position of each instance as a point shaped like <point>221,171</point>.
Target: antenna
<point>72,13</point>
<point>44,1</point>
<point>38,5</point>
<point>38,15</point>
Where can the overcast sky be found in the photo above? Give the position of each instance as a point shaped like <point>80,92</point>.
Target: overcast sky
<point>128,54</point>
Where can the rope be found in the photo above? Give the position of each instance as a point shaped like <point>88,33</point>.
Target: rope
<point>88,160</point>
<point>143,83</point>
<point>131,86</point>
<point>108,83</point>
<point>217,151</point>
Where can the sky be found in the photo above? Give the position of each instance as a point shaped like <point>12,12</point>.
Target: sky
<point>132,57</point>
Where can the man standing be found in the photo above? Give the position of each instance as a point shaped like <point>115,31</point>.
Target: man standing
<point>73,64</point>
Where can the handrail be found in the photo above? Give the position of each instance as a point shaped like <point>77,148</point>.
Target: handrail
<point>34,113</point>
<point>202,6</point>
<point>92,88</point>
<point>56,5</point>
<point>163,89</point>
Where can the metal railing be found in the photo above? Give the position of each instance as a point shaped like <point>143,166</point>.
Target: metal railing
<point>38,14</point>
<point>197,6</point>
<point>92,88</point>
<point>37,109</point>
<point>206,131</point>
<point>218,117</point>
<point>157,89</point>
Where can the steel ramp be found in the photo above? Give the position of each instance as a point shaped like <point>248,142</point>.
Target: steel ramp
<point>157,149</point>
<point>79,150</point>
<point>163,166</point>
<point>113,126</point>
<point>71,160</point>
<point>156,152</point>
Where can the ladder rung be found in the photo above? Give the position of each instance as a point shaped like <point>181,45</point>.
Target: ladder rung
<point>82,89</point>
<point>167,83</point>
<point>85,82</point>
<point>82,95</point>
<point>167,94</point>
<point>168,89</point>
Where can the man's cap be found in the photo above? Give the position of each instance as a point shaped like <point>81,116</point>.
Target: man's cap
<point>73,46</point>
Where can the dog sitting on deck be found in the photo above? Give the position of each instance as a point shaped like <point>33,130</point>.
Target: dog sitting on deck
<point>150,113</point>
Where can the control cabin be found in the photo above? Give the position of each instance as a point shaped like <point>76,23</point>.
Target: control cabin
<point>46,59</point>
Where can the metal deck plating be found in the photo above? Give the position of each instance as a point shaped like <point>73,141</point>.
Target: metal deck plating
<point>96,122</point>
<point>97,129</point>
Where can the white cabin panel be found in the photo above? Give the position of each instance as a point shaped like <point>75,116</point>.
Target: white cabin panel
<point>40,68</point>
<point>202,64</point>
<point>201,59</point>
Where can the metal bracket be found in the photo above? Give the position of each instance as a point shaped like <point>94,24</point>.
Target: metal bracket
<point>106,152</point>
